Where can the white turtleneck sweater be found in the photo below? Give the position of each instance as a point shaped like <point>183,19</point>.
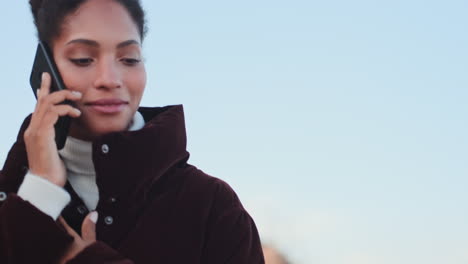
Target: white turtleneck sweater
<point>77,156</point>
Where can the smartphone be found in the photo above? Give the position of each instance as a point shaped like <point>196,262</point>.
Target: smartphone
<point>43,62</point>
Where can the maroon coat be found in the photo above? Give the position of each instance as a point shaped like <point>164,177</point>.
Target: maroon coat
<point>153,206</point>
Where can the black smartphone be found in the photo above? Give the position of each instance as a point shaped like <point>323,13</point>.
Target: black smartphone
<point>43,62</point>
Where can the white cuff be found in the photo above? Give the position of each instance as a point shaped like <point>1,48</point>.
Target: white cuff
<point>46,196</point>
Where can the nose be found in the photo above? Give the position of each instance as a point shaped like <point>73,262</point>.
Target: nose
<point>107,75</point>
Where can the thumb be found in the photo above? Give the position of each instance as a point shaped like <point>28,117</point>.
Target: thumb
<point>88,228</point>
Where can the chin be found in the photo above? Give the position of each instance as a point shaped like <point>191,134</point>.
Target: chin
<point>91,129</point>
<point>104,127</point>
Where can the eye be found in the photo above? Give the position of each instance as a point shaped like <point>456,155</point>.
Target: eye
<point>82,62</point>
<point>130,61</point>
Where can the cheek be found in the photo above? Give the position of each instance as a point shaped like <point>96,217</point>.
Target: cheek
<point>73,80</point>
<point>76,84</point>
<point>137,83</point>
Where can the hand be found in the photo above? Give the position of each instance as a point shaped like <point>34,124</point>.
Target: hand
<point>39,137</point>
<point>88,236</point>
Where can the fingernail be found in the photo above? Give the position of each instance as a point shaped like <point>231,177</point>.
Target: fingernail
<point>37,91</point>
<point>43,76</point>
<point>77,110</point>
<point>76,93</point>
<point>93,216</point>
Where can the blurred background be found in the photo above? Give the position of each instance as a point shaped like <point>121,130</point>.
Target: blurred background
<point>342,125</point>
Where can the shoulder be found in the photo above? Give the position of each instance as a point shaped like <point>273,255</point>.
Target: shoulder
<point>210,189</point>
<point>219,187</point>
<point>16,163</point>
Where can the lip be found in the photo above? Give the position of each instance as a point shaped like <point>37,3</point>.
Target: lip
<point>107,106</point>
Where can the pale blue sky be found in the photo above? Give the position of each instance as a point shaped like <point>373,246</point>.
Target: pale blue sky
<point>341,124</point>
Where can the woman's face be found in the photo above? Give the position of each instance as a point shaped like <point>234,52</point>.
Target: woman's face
<point>98,53</point>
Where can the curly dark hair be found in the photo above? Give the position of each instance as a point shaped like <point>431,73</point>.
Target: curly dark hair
<point>49,15</point>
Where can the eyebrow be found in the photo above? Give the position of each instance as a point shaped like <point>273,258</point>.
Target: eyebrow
<point>93,43</point>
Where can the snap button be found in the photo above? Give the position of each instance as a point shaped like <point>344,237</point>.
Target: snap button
<point>3,196</point>
<point>81,209</point>
<point>109,220</point>
<point>105,148</point>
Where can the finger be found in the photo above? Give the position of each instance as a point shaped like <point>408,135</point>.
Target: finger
<point>43,121</point>
<point>59,96</point>
<point>45,85</point>
<point>43,90</point>
<point>52,115</point>
<point>69,230</point>
<point>52,102</point>
<point>88,228</point>
<point>44,98</point>
<point>63,110</point>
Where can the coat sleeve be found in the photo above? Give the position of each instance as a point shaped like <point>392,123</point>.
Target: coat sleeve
<point>99,253</point>
<point>27,235</point>
<point>233,236</point>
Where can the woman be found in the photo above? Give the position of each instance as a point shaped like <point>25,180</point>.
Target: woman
<point>120,191</point>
